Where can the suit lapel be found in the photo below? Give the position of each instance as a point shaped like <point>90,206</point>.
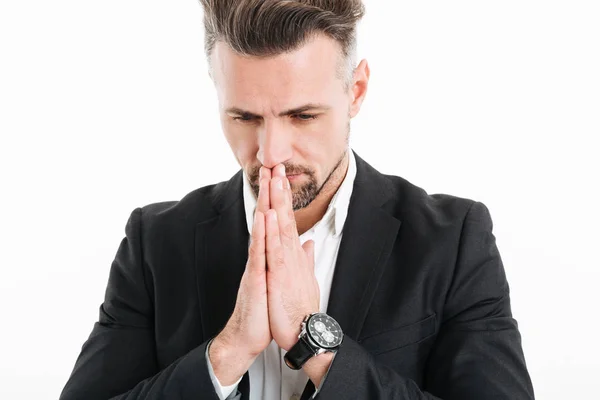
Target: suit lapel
<point>368,237</point>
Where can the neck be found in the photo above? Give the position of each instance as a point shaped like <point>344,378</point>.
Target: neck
<point>307,217</point>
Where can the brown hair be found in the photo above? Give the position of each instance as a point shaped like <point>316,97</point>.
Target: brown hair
<point>264,28</point>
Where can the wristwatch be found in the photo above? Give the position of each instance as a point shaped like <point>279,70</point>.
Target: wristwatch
<point>320,333</point>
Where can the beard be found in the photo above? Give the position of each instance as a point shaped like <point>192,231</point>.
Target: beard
<point>302,193</point>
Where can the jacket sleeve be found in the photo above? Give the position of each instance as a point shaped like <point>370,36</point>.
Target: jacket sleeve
<point>477,353</point>
<point>118,360</point>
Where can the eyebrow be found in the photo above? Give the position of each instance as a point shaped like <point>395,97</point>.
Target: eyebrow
<point>292,111</point>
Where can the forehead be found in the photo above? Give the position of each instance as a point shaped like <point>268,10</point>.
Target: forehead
<point>307,74</point>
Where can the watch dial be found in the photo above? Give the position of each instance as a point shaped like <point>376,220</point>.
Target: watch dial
<point>324,330</point>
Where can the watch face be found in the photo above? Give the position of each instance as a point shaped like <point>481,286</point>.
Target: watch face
<point>324,330</point>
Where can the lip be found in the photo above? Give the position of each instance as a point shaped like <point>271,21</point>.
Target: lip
<point>293,177</point>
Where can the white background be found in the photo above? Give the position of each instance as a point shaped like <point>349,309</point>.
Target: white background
<point>107,106</point>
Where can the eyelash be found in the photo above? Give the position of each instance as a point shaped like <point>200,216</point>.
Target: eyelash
<point>309,118</point>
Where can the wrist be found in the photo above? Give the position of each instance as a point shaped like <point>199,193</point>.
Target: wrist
<point>320,335</point>
<point>229,361</point>
<point>237,341</point>
<point>316,367</point>
<point>293,339</point>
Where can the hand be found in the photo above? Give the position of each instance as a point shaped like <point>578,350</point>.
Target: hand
<point>293,290</point>
<point>247,332</point>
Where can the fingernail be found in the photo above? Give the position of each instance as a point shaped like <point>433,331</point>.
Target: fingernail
<point>279,183</point>
<point>287,183</point>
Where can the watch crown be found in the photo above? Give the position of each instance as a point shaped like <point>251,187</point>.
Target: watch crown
<point>302,329</point>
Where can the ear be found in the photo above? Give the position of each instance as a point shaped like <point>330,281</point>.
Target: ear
<point>358,90</point>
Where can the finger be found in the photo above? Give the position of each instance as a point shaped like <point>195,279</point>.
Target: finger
<point>264,201</point>
<point>279,170</point>
<point>309,249</point>
<point>280,202</point>
<point>288,185</point>
<point>264,172</point>
<point>256,251</point>
<point>277,193</point>
<point>274,251</point>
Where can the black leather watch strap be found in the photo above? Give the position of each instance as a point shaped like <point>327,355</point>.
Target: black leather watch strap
<point>299,354</point>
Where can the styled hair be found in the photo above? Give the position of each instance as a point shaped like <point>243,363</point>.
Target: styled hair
<point>265,28</point>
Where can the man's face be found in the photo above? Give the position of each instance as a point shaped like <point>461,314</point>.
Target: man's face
<point>291,109</point>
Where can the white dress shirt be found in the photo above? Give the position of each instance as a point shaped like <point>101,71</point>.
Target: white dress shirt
<point>270,377</point>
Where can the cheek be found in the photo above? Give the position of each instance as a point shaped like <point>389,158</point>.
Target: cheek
<point>325,136</point>
<point>321,144</point>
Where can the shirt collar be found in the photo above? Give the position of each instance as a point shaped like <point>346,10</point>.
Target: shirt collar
<point>337,209</point>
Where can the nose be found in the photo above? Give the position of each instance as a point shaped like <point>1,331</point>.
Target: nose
<point>274,144</point>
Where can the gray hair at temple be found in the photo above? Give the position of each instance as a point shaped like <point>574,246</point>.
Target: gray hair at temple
<point>265,28</point>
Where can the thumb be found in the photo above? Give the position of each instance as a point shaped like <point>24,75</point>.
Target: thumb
<point>309,248</point>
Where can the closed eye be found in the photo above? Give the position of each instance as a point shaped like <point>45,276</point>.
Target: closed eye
<point>243,118</point>
<point>305,117</point>
<point>301,117</point>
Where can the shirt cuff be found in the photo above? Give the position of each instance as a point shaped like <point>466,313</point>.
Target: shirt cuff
<point>222,391</point>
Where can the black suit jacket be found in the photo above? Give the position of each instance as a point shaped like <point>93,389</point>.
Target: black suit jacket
<point>419,289</point>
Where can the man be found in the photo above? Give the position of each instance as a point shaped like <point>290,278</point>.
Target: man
<point>308,273</point>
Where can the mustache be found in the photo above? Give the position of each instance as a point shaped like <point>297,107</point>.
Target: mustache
<point>290,169</point>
